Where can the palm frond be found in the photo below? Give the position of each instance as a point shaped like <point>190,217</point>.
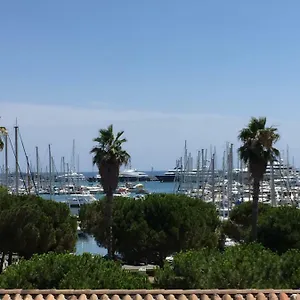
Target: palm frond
<point>109,148</point>
<point>119,134</point>
<point>257,144</point>
<point>256,124</point>
<point>245,134</point>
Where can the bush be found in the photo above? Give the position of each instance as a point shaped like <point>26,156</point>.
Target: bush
<point>29,225</point>
<point>278,227</point>
<point>149,230</point>
<point>67,271</point>
<point>238,267</point>
<point>290,269</point>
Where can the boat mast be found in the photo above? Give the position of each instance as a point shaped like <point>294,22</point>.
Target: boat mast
<point>273,200</point>
<point>223,184</point>
<point>6,158</point>
<point>288,172</point>
<point>37,169</point>
<point>229,175</point>
<point>242,178</point>
<point>185,164</point>
<point>50,172</point>
<point>17,160</point>
<point>202,172</point>
<point>28,177</point>
<point>198,174</point>
<point>213,178</point>
<point>206,169</point>
<point>64,171</point>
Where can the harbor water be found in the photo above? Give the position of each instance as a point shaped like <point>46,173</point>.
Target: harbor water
<point>88,243</point>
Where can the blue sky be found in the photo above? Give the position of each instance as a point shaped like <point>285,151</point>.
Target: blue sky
<point>163,71</point>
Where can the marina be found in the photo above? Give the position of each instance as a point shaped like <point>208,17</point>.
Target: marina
<point>225,184</point>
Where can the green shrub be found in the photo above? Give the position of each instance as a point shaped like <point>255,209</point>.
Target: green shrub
<point>278,227</point>
<point>238,267</point>
<point>67,271</point>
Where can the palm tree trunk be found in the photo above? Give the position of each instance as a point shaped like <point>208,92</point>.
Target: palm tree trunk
<point>10,256</point>
<point>256,184</point>
<point>109,205</point>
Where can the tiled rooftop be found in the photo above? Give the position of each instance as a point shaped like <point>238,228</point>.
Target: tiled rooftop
<point>149,294</point>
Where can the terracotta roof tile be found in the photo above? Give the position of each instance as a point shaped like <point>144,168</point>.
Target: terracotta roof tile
<point>283,296</point>
<point>18,294</point>
<point>250,297</point>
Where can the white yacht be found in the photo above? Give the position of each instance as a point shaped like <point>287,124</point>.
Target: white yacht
<point>193,175</point>
<point>128,175</point>
<point>72,176</point>
<point>133,175</point>
<point>77,200</point>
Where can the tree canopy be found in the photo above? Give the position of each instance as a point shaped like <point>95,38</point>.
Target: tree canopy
<point>257,147</point>
<point>29,225</point>
<point>149,230</point>
<point>109,156</point>
<point>278,227</point>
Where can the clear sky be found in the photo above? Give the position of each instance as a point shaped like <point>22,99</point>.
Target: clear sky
<point>163,71</point>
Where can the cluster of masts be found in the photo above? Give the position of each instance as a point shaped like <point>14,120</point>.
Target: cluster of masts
<point>33,178</point>
<point>229,186</point>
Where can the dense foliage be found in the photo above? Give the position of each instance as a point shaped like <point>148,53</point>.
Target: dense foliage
<point>67,271</point>
<point>278,227</point>
<point>3,191</point>
<point>238,226</point>
<point>238,267</point>
<point>153,228</point>
<point>29,225</point>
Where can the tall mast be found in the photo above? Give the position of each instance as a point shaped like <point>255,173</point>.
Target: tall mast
<point>50,172</point>
<point>17,159</point>
<point>273,199</point>
<point>288,171</point>
<point>37,169</point>
<point>184,164</point>
<point>223,184</point>
<point>229,175</point>
<point>6,157</point>
<point>213,177</point>
<point>198,174</point>
<point>202,172</point>
<point>64,169</point>
<point>242,178</point>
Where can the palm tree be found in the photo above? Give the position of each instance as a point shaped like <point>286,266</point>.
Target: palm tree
<point>257,151</point>
<point>109,156</point>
